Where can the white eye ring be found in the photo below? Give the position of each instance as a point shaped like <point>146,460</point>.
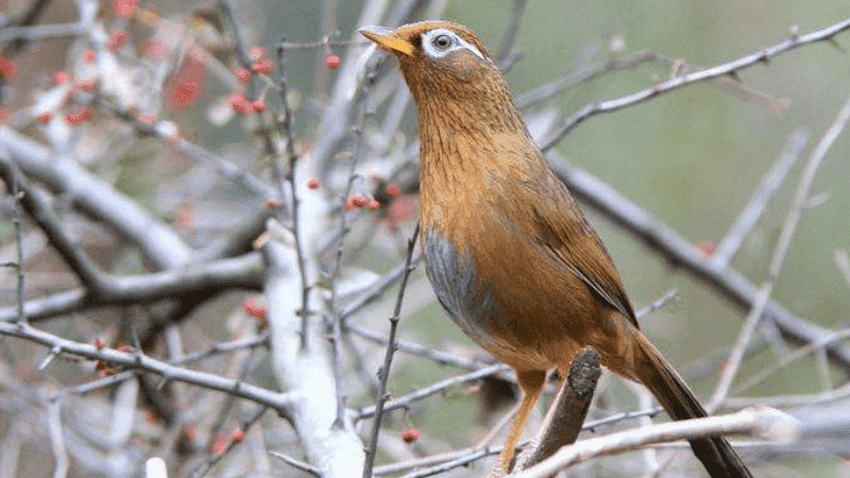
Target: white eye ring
<point>440,42</point>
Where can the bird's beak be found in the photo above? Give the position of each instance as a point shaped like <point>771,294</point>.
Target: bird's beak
<point>386,41</point>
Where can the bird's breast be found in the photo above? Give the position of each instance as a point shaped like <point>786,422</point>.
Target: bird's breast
<point>491,271</point>
<point>456,282</point>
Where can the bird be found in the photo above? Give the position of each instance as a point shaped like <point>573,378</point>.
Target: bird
<point>508,252</point>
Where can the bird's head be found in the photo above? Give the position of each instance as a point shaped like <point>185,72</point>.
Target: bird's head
<point>448,68</point>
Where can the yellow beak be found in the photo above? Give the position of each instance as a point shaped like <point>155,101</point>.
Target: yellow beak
<point>386,41</point>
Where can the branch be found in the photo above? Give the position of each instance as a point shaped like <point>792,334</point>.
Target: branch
<point>243,272</point>
<point>801,196</point>
<point>157,241</point>
<point>767,423</point>
<point>680,252</point>
<point>406,400</point>
<point>728,247</point>
<point>280,402</point>
<point>384,372</point>
<point>565,419</point>
<point>306,374</point>
<point>731,69</point>
<point>40,211</point>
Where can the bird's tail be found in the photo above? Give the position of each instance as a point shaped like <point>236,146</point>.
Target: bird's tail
<point>715,453</point>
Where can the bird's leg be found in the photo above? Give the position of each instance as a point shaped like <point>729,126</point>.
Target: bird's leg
<point>531,383</point>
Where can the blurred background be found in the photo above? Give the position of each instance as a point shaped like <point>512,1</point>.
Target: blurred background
<point>692,158</point>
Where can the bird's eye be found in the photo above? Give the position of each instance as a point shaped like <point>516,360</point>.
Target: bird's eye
<point>442,42</point>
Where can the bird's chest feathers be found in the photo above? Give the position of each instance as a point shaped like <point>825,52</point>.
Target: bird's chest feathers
<point>473,243</point>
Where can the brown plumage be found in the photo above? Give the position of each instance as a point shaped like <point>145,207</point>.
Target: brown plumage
<point>508,252</point>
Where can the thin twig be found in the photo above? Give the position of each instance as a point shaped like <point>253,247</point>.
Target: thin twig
<point>570,79</point>
<point>650,412</point>
<point>671,245</point>
<point>729,68</point>
<point>13,177</point>
<point>405,401</point>
<point>465,460</point>
<point>842,261</point>
<point>510,35</point>
<point>437,356</point>
<point>245,427</point>
<point>668,297</point>
<point>790,358</point>
<point>276,400</point>
<point>780,252</point>
<point>731,243</point>
<point>336,319</point>
<point>57,438</point>
<point>292,157</point>
<point>384,372</point>
<point>32,201</point>
<point>306,467</point>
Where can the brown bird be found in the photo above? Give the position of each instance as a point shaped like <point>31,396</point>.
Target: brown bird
<point>508,252</point>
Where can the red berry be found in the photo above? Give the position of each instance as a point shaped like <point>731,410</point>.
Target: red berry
<point>243,75</point>
<point>191,431</point>
<point>147,119</point>
<point>87,85</point>
<point>373,204</point>
<point>360,201</point>
<point>79,117</point>
<point>8,68</point>
<point>89,56</point>
<point>393,189</point>
<point>99,343</point>
<point>331,61</point>
<point>254,310</point>
<point>45,117</point>
<point>272,204</point>
<point>706,247</point>
<point>410,435</point>
<point>237,435</point>
<point>262,66</point>
<point>241,104</point>
<point>313,183</point>
<point>259,105</point>
<point>124,8</point>
<point>117,40</point>
<point>349,204</point>
<point>60,77</point>
<point>400,210</point>
<point>219,444</point>
<point>257,53</point>
<point>154,49</point>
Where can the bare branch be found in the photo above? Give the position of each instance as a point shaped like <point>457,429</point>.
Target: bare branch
<point>681,253</point>
<point>306,374</point>
<point>729,68</point>
<point>384,372</point>
<point>280,402</point>
<point>565,418</point>
<point>728,373</point>
<point>728,247</point>
<point>767,423</point>
<point>406,400</point>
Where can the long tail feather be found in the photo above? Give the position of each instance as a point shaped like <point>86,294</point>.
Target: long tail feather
<point>715,453</point>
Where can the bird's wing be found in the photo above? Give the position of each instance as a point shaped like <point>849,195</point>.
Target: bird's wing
<point>562,228</point>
